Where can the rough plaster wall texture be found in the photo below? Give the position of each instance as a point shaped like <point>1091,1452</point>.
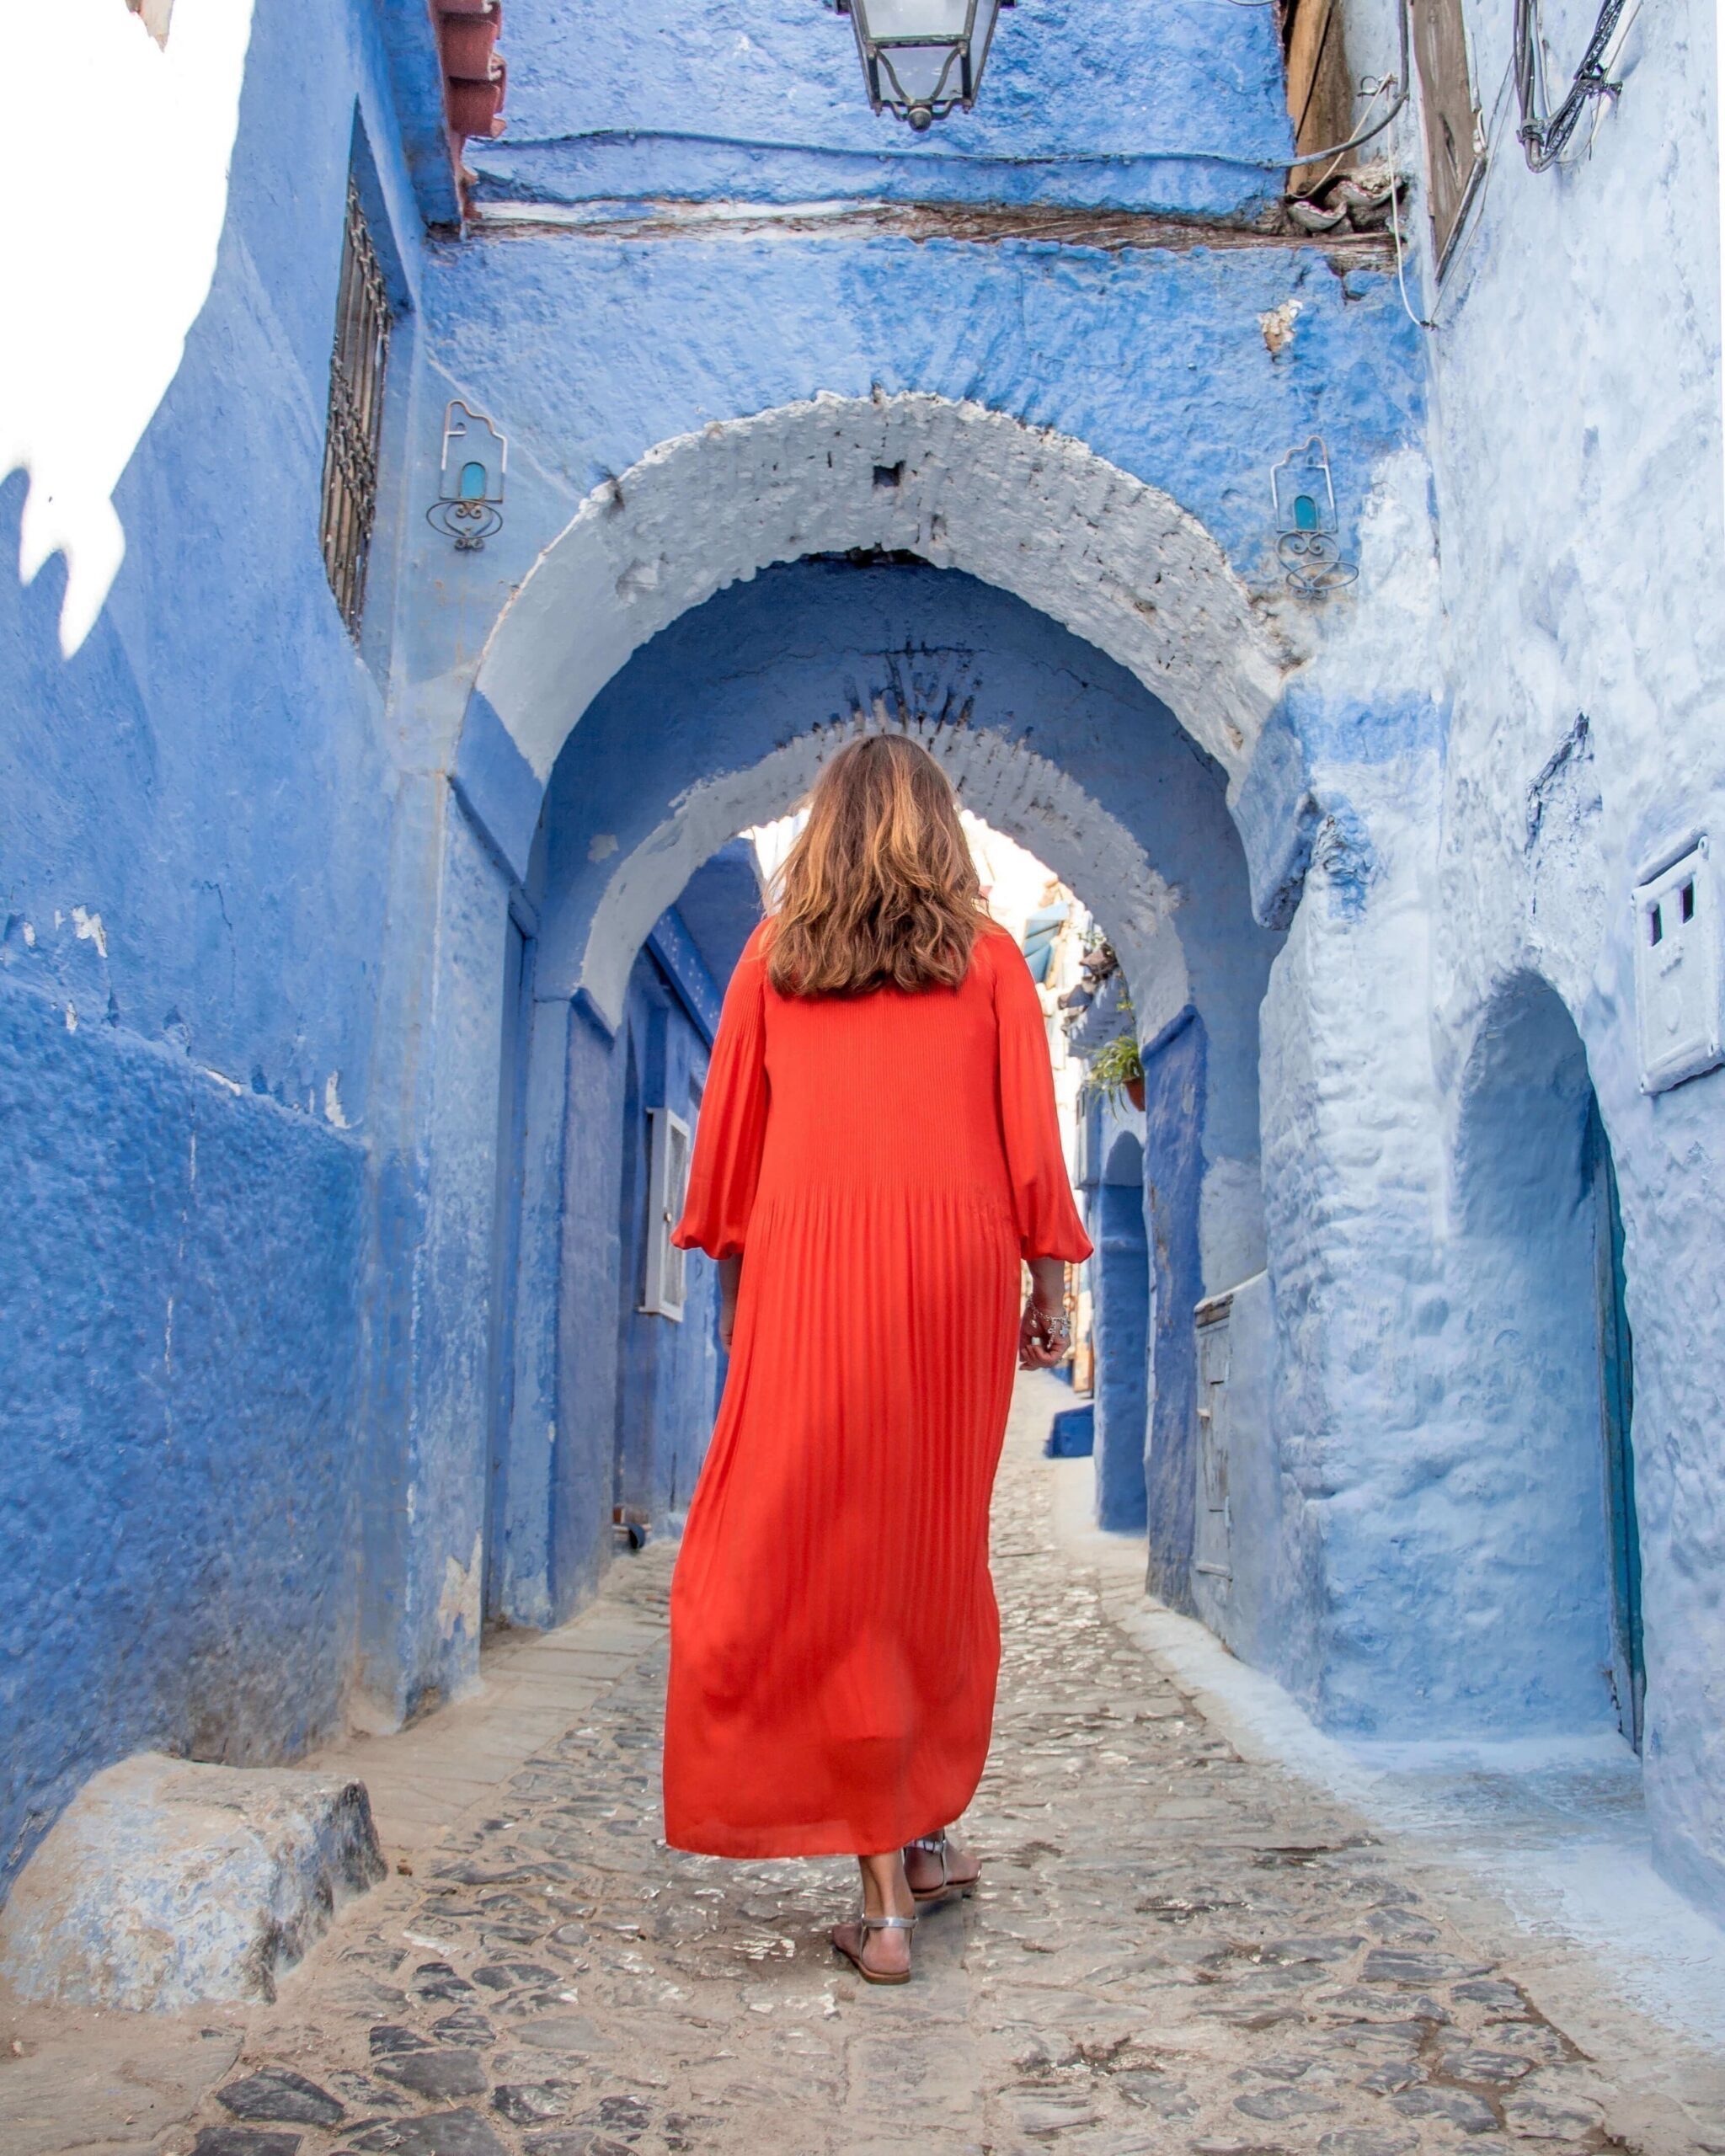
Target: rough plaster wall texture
<point>1574,378</point>
<point>1254,1607</point>
<point>452,1379</point>
<point>687,1350</point>
<point>178,1488</point>
<point>1515,1440</point>
<point>199,804</point>
<point>1231,1244</point>
<point>975,491</point>
<point>664,103</point>
<point>222,672</point>
<point>528,1585</point>
<point>592,353</point>
<point>1351,1171</point>
<point>400,1179</point>
<point>720,907</point>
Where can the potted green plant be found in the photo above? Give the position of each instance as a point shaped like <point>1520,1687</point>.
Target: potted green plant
<point>1116,1068</point>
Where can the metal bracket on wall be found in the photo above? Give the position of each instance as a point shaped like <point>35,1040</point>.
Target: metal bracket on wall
<point>1305,503</point>
<point>469,504</point>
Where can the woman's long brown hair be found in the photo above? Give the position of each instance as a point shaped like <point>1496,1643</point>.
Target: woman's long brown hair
<point>879,889</point>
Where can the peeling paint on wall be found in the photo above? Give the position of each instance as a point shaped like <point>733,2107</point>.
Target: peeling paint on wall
<point>1278,326</point>
<point>459,1604</point>
<point>88,927</point>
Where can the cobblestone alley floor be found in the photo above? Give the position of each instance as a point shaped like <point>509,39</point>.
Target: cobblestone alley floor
<point>1176,1951</point>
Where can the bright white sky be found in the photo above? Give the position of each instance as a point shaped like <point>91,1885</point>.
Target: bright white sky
<point>126,145</point>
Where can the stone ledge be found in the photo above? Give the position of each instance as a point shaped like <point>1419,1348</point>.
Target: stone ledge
<point>165,1883</point>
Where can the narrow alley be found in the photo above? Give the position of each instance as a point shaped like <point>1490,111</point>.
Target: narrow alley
<point>475,471</point>
<point>1174,1949</point>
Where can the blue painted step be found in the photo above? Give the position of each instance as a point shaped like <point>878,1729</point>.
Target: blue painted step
<point>1072,1434</point>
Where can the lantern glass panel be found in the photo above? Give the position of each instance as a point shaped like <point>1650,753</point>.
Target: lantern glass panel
<point>919,73</point>
<point>923,20</point>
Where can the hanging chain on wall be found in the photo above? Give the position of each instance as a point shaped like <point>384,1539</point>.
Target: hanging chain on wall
<point>1544,137</point>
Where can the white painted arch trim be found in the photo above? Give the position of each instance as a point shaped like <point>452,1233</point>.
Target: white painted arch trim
<point>1008,786</point>
<point>1030,511</point>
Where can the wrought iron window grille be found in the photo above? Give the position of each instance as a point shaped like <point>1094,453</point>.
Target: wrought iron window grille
<point>355,430</point>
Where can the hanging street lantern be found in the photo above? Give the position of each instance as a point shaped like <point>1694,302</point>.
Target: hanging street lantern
<point>922,57</point>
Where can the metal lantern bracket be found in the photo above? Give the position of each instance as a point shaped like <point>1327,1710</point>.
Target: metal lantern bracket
<point>469,504</point>
<point>1305,502</point>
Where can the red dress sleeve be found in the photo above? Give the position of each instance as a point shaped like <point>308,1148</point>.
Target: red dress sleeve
<point>1049,1225</point>
<point>731,1127</point>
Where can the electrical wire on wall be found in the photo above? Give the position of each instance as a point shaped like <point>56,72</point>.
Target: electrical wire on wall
<point>1401,82</point>
<point>1544,135</point>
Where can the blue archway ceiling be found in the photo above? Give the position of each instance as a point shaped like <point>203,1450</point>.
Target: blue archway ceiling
<point>720,905</point>
<point>805,645</point>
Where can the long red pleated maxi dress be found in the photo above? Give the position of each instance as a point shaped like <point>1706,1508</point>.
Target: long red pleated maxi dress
<point>882,1162</point>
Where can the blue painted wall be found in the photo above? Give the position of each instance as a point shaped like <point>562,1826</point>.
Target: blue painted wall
<point>592,350</point>
<point>1120,1306</point>
<point>1495,1597</point>
<point>178,1487</point>
<point>662,102</point>
<point>193,856</point>
<point>801,647</point>
<point>244,907</point>
<point>720,906</point>
<point>1175,1103</point>
<point>668,1370</point>
<point>627,1401</point>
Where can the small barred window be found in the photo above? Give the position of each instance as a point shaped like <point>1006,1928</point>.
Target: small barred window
<point>350,447</point>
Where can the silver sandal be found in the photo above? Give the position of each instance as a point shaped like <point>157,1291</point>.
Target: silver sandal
<point>865,1924</point>
<point>932,1896</point>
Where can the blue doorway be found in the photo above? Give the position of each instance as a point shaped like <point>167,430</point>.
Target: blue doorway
<point>1617,1422</point>
<point>1120,1272</point>
<point>506,1253</point>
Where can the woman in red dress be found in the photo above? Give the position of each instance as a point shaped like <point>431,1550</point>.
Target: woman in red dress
<point>877,1153</point>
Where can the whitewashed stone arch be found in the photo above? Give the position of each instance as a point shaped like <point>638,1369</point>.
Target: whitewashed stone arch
<point>1011,787</point>
<point>1033,512</point>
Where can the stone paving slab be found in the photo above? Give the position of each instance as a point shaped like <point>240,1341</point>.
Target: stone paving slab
<point>1178,1951</point>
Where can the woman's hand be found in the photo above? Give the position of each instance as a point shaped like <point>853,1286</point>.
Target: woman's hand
<point>1044,1333</point>
<point>1043,1337</point>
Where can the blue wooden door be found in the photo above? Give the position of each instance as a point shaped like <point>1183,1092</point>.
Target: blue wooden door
<point>1616,1418</point>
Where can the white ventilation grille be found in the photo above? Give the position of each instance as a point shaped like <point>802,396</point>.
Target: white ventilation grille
<point>1677,976</point>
